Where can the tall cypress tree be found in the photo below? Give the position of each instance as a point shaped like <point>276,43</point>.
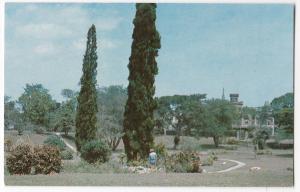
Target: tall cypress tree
<point>138,117</point>
<point>87,100</point>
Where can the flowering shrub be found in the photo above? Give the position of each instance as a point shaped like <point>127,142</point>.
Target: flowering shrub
<point>20,160</point>
<point>47,159</point>
<point>183,162</point>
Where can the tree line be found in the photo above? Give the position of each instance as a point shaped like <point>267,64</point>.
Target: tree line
<point>133,114</point>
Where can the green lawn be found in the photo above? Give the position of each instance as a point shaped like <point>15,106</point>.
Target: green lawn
<point>255,179</point>
<point>276,170</point>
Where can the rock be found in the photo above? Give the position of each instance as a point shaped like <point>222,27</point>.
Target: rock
<point>254,168</point>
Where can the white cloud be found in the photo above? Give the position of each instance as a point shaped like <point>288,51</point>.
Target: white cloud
<point>108,24</point>
<point>43,30</point>
<point>44,49</point>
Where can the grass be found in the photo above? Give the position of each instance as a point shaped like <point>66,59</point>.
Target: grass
<point>275,169</point>
<point>84,167</point>
<point>257,179</point>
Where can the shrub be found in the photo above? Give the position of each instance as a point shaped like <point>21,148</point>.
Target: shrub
<point>137,163</point>
<point>232,141</point>
<point>20,160</point>
<point>20,129</point>
<point>66,155</point>
<point>213,155</point>
<point>47,159</point>
<point>54,140</point>
<point>160,150</point>
<point>8,145</point>
<point>209,161</point>
<point>190,145</point>
<point>95,151</point>
<point>176,141</point>
<point>183,162</point>
<point>122,158</point>
<point>39,130</point>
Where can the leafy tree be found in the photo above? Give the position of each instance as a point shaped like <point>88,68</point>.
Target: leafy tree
<point>245,111</point>
<point>182,109</point>
<point>283,111</point>
<point>112,100</point>
<point>138,116</point>
<point>63,117</point>
<point>67,121</point>
<point>284,118</point>
<point>11,113</point>
<point>220,118</point>
<point>264,113</point>
<point>86,118</point>
<point>36,104</point>
<point>284,101</point>
<point>260,137</point>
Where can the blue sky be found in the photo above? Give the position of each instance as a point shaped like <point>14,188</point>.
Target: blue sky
<point>247,49</point>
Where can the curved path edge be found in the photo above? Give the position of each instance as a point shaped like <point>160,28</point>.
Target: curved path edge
<point>239,165</point>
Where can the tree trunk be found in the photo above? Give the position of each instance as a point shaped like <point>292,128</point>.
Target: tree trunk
<point>216,140</point>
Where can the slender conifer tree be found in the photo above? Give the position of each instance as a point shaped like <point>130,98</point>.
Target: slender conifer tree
<point>138,117</point>
<point>87,100</point>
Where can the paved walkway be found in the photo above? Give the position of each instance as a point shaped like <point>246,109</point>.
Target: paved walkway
<point>68,144</point>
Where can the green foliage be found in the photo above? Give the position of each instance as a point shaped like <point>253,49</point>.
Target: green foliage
<point>12,116</point>
<point>63,118</point>
<point>260,137</point>
<point>138,117</point>
<point>209,161</point>
<point>47,159</point>
<point>86,118</point>
<point>183,162</point>
<point>95,151</point>
<point>66,155</point>
<point>20,128</point>
<point>36,103</point>
<point>284,101</point>
<point>20,159</point>
<point>221,115</point>
<point>283,134</point>
<point>176,141</point>
<point>232,141</point>
<point>122,158</point>
<point>66,123</point>
<point>8,143</point>
<point>180,107</point>
<point>213,155</point>
<point>136,163</point>
<point>264,113</point>
<point>284,118</point>
<point>160,150</point>
<point>55,141</point>
<point>112,100</point>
